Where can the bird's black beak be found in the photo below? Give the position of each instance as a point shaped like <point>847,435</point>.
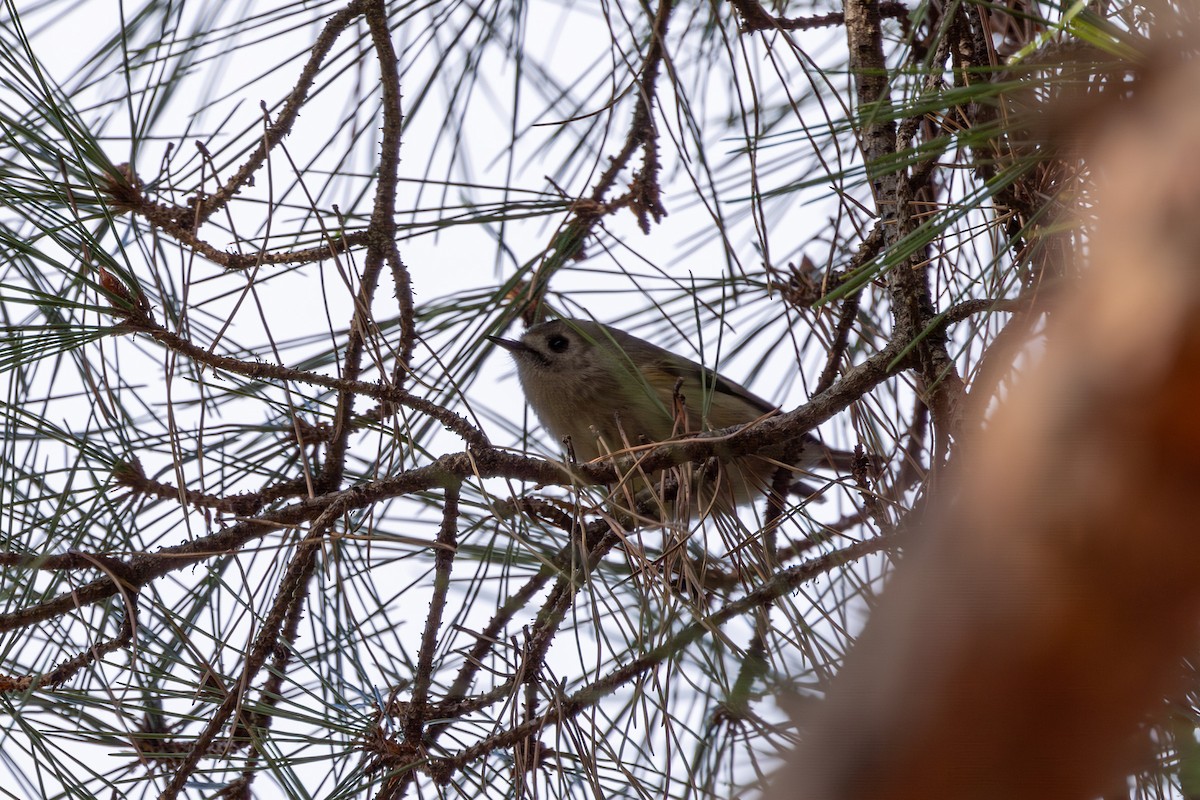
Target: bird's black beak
<point>511,345</point>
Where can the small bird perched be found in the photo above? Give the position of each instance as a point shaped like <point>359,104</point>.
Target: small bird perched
<point>608,391</point>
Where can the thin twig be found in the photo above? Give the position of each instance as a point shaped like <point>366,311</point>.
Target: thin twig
<point>334,28</point>
<point>644,196</point>
<point>779,585</point>
<point>443,563</point>
<point>755,17</point>
<point>289,598</point>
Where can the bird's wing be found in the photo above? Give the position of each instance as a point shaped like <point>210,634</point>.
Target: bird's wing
<point>708,380</point>
<point>723,401</point>
<point>710,398</point>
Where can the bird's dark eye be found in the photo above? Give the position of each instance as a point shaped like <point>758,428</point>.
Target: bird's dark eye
<point>558,343</point>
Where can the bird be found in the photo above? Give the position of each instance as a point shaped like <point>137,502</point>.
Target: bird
<point>604,391</point>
